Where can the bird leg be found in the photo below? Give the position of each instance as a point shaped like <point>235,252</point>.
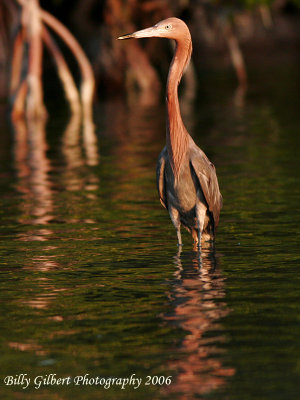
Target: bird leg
<point>179,236</point>
<point>199,235</point>
<point>200,216</point>
<point>175,218</point>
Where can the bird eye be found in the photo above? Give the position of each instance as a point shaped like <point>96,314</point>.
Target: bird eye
<point>168,26</point>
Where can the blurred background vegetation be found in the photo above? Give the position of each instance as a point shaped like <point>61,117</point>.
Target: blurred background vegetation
<point>226,34</point>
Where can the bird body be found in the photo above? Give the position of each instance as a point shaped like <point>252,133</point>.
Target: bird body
<point>192,197</point>
<point>186,180</point>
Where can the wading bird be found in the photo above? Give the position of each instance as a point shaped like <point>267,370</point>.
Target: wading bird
<point>186,180</point>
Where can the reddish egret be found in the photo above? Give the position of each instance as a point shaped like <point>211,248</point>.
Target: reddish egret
<point>186,180</point>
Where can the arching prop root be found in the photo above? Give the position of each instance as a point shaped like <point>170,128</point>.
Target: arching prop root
<point>32,36</point>
<point>236,54</point>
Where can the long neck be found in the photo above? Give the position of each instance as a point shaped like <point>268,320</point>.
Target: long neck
<point>177,135</point>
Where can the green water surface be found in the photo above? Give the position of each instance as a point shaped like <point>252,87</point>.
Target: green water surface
<point>91,278</point>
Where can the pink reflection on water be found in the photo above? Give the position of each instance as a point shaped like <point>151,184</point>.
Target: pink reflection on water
<point>33,167</point>
<point>198,290</point>
<point>39,206</point>
<point>80,151</point>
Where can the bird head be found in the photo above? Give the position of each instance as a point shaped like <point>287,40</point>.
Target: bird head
<point>170,28</point>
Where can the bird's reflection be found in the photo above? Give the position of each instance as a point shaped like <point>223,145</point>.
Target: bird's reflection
<point>197,306</point>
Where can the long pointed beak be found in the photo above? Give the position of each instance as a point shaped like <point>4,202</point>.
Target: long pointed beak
<point>127,36</point>
<point>144,33</point>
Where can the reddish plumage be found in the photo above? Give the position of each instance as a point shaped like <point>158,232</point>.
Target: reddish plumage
<point>186,180</point>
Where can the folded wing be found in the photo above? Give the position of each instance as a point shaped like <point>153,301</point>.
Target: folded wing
<point>205,172</point>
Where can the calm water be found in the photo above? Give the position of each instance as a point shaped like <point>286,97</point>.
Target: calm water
<point>92,281</point>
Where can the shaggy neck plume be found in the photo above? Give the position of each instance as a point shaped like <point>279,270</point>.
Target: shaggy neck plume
<point>177,135</point>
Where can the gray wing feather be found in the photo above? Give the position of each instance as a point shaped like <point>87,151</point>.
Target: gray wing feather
<point>160,177</point>
<point>205,171</point>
